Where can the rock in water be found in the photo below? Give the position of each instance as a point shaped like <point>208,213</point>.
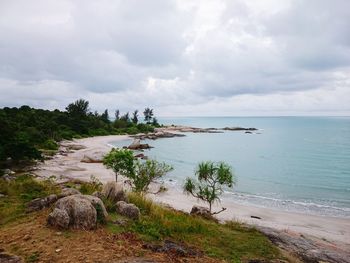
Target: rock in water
<point>128,210</point>
<point>114,192</point>
<point>137,145</point>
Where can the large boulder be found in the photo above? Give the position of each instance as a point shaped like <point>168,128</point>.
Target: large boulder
<point>96,157</point>
<point>137,145</point>
<point>129,210</point>
<point>59,218</point>
<point>114,192</point>
<point>201,211</point>
<point>82,211</point>
<point>68,191</point>
<point>41,203</point>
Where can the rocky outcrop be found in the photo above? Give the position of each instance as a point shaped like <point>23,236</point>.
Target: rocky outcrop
<point>82,212</point>
<point>41,203</point>
<point>306,249</point>
<point>68,191</point>
<point>129,210</point>
<point>137,145</point>
<point>8,258</point>
<point>59,218</point>
<point>96,157</point>
<point>141,156</point>
<point>201,211</point>
<point>239,129</point>
<point>157,135</point>
<point>114,192</point>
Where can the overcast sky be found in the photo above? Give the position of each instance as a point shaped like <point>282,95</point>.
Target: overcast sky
<point>181,57</point>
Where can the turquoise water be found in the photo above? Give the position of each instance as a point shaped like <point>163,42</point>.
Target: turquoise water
<point>292,163</point>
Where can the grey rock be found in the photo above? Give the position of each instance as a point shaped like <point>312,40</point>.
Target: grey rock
<point>113,191</point>
<point>306,249</point>
<point>59,218</point>
<point>68,191</point>
<point>96,157</point>
<point>129,210</point>
<point>41,203</point>
<point>8,258</point>
<point>201,211</point>
<point>82,214</point>
<point>137,145</point>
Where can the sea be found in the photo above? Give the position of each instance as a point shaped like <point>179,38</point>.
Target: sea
<point>296,164</point>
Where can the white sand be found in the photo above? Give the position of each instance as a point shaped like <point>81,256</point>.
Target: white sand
<point>332,229</point>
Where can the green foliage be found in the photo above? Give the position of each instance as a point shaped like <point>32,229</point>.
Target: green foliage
<point>121,161</point>
<point>232,241</point>
<point>211,179</point>
<point>94,185</point>
<point>148,114</point>
<point>25,130</point>
<point>141,174</point>
<point>134,118</point>
<point>146,173</point>
<point>20,191</point>
<point>50,145</point>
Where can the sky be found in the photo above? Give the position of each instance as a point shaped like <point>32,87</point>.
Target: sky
<point>180,57</point>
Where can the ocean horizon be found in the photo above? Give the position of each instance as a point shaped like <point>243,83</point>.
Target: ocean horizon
<point>299,164</point>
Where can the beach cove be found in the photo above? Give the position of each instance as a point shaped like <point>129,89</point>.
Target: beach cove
<point>333,231</point>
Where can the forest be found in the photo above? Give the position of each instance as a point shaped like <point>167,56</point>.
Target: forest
<point>25,132</point>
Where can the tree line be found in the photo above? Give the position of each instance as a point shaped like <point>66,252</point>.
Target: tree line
<point>26,132</point>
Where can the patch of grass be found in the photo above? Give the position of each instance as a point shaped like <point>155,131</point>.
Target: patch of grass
<point>34,257</point>
<point>20,191</point>
<point>88,188</point>
<point>231,241</point>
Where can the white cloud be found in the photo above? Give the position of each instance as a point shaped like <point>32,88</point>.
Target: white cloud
<point>237,57</point>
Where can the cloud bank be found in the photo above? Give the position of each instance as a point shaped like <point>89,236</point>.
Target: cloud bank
<point>181,57</point>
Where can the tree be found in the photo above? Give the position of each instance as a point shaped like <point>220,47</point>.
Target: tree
<point>211,177</point>
<point>78,108</point>
<point>125,117</point>
<point>117,115</point>
<point>141,174</point>
<point>146,173</point>
<point>121,161</point>
<point>105,116</point>
<point>155,122</point>
<point>148,113</point>
<point>135,117</point>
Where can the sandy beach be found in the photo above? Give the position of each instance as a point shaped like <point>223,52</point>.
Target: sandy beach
<point>68,165</point>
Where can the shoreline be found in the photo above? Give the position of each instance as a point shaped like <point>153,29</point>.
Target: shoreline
<point>322,228</point>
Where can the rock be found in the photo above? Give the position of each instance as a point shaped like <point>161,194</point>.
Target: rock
<point>249,132</point>
<point>26,237</point>
<point>2,195</point>
<point>114,192</point>
<point>256,217</point>
<point>128,210</point>
<point>41,203</point>
<point>137,145</point>
<point>121,222</point>
<point>68,191</point>
<point>58,250</point>
<point>7,258</point>
<point>80,210</point>
<point>96,157</point>
<point>75,147</point>
<point>173,248</point>
<point>8,172</point>
<point>305,248</point>
<point>98,204</point>
<point>59,218</point>
<point>239,129</point>
<point>98,194</point>
<point>201,211</point>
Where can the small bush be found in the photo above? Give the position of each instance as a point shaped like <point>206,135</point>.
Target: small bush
<point>50,145</point>
<point>88,188</point>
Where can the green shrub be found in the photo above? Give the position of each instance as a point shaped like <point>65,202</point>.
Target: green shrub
<point>50,145</point>
<point>88,188</point>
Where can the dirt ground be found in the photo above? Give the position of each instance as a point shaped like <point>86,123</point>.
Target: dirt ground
<point>32,240</point>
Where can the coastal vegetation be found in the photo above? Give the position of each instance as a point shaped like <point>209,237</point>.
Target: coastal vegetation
<point>212,177</point>
<point>27,133</point>
<point>140,174</point>
<point>200,239</point>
